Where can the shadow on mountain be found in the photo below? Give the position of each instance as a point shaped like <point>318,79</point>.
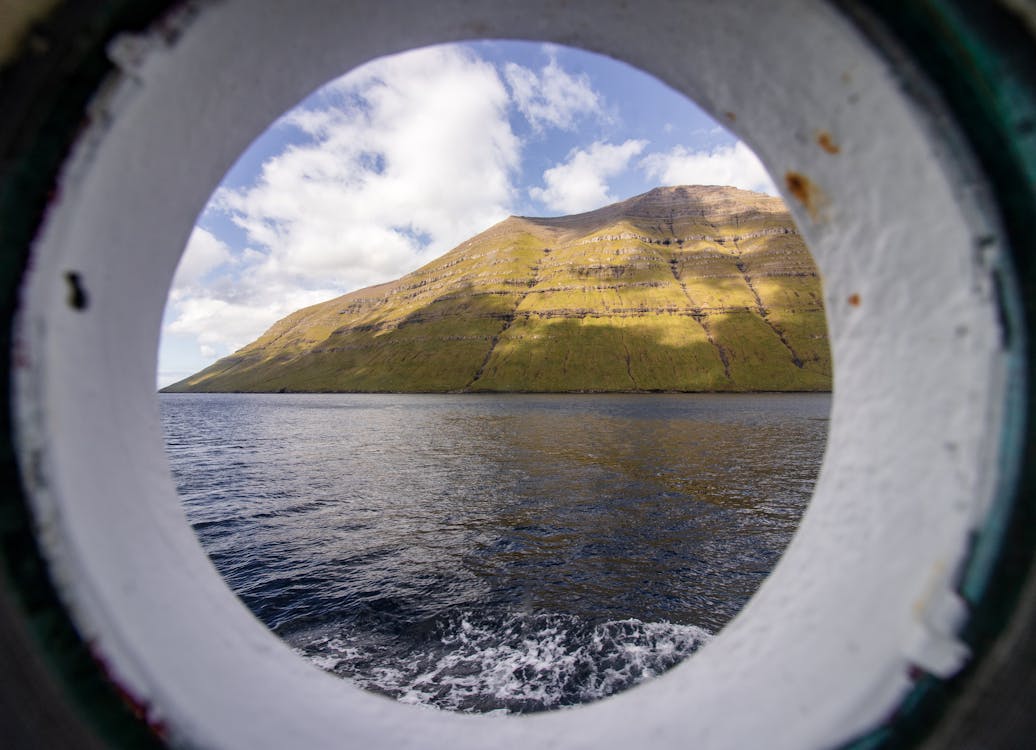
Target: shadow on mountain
<point>475,342</point>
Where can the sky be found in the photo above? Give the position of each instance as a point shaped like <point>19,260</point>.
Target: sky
<point>398,161</point>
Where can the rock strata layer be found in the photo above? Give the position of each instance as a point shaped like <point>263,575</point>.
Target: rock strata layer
<point>680,289</point>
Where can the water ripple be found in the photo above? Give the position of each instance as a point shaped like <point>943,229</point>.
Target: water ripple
<point>485,553</point>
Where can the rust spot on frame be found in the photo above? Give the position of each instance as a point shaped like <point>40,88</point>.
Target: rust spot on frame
<point>827,143</point>
<point>806,192</point>
<point>798,185</point>
<point>854,299</point>
<point>730,116</point>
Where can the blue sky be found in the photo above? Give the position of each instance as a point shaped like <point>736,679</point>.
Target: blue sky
<point>398,161</point>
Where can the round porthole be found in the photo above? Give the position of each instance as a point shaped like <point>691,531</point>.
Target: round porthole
<point>927,423</point>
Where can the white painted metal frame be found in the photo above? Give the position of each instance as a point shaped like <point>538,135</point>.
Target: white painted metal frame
<point>864,593</point>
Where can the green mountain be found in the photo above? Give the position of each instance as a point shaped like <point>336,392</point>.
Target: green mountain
<point>679,289</point>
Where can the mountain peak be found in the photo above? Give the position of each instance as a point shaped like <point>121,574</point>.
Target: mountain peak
<point>682,288</point>
<point>683,205</point>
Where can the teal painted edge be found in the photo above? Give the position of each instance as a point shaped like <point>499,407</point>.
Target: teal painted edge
<point>1013,103</point>
<point>45,89</point>
<point>982,62</point>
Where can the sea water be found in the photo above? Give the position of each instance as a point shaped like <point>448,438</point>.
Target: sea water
<point>495,552</point>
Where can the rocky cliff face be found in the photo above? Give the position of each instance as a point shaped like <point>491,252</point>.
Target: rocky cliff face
<point>679,289</point>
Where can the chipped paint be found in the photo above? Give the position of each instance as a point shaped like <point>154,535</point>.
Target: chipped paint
<point>140,708</point>
<point>77,297</point>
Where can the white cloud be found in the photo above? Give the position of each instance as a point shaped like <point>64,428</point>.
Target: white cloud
<point>553,96</point>
<point>404,159</point>
<point>204,254</point>
<point>221,326</point>
<point>735,165</point>
<point>581,183</point>
<point>429,154</point>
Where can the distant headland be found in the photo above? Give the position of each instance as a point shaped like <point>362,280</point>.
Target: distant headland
<point>686,289</point>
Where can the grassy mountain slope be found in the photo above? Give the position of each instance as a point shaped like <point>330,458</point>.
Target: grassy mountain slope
<point>679,289</point>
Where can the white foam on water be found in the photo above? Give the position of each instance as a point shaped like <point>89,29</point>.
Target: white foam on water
<point>515,664</point>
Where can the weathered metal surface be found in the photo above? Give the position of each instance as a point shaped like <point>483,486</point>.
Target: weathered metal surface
<point>864,599</point>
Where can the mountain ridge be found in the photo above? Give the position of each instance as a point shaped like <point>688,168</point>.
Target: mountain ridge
<point>688,288</point>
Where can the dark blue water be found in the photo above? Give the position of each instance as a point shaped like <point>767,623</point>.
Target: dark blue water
<point>480,553</point>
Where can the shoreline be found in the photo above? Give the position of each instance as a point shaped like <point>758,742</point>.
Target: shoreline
<point>279,392</point>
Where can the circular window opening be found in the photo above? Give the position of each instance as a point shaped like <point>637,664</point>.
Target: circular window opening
<point>512,463</point>
<point>862,602</point>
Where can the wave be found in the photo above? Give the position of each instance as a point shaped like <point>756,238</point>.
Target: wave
<point>514,663</point>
